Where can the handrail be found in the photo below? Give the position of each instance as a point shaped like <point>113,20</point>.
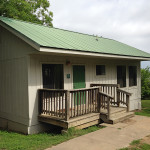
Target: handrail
<point>104,102</point>
<point>125,92</point>
<point>123,97</point>
<point>55,90</point>
<point>106,94</point>
<point>95,84</point>
<point>83,89</point>
<point>109,89</point>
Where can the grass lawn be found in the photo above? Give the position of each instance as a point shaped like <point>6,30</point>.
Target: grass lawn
<point>15,141</point>
<point>145,108</point>
<point>143,144</point>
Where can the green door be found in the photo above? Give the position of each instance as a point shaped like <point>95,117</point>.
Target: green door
<point>79,82</point>
<point>78,77</point>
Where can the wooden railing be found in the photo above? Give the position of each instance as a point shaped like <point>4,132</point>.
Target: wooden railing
<point>123,97</point>
<point>66,104</point>
<point>53,102</point>
<point>83,101</point>
<point>112,95</point>
<point>105,101</point>
<point>109,89</point>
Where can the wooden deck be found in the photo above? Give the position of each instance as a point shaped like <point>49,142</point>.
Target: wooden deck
<point>82,107</point>
<point>78,122</point>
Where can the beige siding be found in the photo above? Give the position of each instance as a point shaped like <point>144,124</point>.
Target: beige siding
<point>35,74</point>
<point>14,79</point>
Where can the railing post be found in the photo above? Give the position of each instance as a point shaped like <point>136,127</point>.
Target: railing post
<point>67,106</point>
<point>99,100</point>
<point>99,103</point>
<point>128,104</point>
<point>118,99</point>
<point>118,85</point>
<point>100,88</point>
<point>108,107</point>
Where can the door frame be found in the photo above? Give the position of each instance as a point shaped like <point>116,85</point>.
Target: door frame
<point>72,73</point>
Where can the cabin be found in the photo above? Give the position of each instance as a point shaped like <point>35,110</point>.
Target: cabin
<point>50,76</point>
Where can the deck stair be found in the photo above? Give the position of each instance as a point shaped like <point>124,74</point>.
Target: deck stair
<point>117,114</point>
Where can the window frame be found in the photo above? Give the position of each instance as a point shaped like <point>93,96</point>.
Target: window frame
<point>55,68</point>
<point>132,74</point>
<point>124,79</point>
<point>100,71</point>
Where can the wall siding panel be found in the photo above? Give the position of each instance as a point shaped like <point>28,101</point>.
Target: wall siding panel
<point>14,80</point>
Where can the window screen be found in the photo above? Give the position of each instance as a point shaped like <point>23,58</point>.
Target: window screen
<point>121,76</point>
<point>132,75</point>
<point>100,69</point>
<point>53,77</point>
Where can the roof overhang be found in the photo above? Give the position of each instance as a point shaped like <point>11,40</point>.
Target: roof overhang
<point>81,53</point>
<point>20,35</point>
<point>68,51</point>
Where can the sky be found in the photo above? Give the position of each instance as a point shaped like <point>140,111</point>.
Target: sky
<point>127,21</point>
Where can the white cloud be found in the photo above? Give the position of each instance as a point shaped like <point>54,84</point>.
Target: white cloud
<point>127,21</point>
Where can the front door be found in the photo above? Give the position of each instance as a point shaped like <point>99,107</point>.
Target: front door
<point>78,76</point>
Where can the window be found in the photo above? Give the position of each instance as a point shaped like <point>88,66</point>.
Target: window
<point>132,75</point>
<point>121,76</point>
<point>53,76</point>
<point>100,69</point>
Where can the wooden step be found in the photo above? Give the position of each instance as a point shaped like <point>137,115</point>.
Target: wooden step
<point>84,121</point>
<point>117,114</point>
<point>122,117</point>
<point>114,110</point>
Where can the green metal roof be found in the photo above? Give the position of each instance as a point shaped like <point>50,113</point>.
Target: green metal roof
<point>58,38</point>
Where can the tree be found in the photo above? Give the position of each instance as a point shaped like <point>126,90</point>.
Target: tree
<point>35,11</point>
<point>145,82</point>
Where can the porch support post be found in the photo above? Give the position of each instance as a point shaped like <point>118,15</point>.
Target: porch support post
<point>108,106</point>
<point>128,104</point>
<point>67,106</point>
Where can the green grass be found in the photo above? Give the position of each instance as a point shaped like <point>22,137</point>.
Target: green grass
<point>145,108</point>
<point>15,141</point>
<point>135,142</point>
<point>145,146</point>
<point>137,145</point>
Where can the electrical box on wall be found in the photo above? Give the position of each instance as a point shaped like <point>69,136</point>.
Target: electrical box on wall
<point>68,76</point>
